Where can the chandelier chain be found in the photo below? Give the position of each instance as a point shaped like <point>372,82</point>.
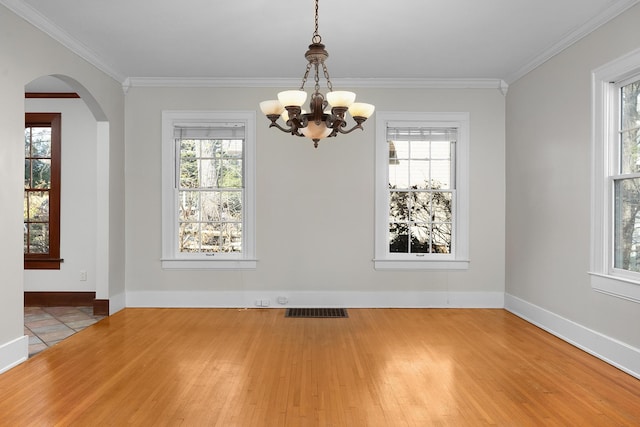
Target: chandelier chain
<point>326,76</point>
<point>316,36</point>
<point>317,79</point>
<point>306,75</point>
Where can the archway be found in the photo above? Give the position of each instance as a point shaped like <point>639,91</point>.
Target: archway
<point>96,174</point>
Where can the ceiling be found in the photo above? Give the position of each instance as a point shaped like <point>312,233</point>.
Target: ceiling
<point>374,39</point>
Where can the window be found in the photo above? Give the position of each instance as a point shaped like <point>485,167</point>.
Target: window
<point>42,149</point>
<point>208,190</point>
<point>615,213</point>
<point>422,191</point>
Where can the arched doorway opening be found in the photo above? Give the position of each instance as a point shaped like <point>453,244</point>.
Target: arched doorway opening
<point>84,200</point>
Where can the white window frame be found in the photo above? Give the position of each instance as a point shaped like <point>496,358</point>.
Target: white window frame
<point>459,258</point>
<point>171,258</point>
<point>605,97</point>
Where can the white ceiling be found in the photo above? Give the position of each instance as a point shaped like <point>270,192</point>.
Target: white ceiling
<point>260,39</point>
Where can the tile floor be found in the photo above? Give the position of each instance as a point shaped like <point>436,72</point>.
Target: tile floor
<point>47,326</point>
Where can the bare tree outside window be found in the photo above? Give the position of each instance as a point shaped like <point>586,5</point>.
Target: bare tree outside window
<point>627,184</point>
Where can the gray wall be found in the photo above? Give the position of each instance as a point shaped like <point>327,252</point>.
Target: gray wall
<point>26,54</point>
<point>315,207</point>
<point>548,185</point>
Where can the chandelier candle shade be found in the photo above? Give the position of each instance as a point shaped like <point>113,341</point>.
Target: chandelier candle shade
<point>321,122</point>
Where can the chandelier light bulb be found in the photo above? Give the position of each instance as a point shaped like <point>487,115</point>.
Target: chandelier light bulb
<point>272,106</point>
<point>361,109</point>
<point>292,98</point>
<point>340,98</point>
<point>315,132</point>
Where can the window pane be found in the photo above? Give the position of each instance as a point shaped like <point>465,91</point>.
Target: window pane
<point>441,150</point>
<point>210,237</point>
<point>41,173</point>
<point>231,206</point>
<point>231,237</point>
<point>440,174</point>
<point>629,125</point>
<point>41,142</point>
<point>399,174</point>
<point>231,173</point>
<point>38,208</point>
<point>442,206</point>
<point>209,173</point>
<point>420,150</point>
<point>27,173</point>
<point>398,238</point>
<point>441,238</point>
<point>210,206</point>
<point>189,237</point>
<point>421,207</point>
<point>420,239</point>
<point>419,174</point>
<point>189,177</point>
<point>27,142</point>
<point>189,206</point>
<point>232,148</point>
<point>627,224</point>
<point>209,148</point>
<point>38,238</point>
<point>399,206</point>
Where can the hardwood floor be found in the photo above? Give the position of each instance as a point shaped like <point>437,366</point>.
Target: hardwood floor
<point>379,367</point>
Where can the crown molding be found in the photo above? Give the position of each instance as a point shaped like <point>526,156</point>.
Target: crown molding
<point>572,37</point>
<point>41,22</point>
<point>412,83</point>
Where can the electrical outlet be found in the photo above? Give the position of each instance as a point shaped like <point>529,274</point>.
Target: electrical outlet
<point>283,300</point>
<point>83,275</point>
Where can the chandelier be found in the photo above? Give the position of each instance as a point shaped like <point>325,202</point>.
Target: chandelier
<point>321,121</point>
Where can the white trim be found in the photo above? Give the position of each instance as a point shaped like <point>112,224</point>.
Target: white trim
<point>608,349</point>
<point>117,303</point>
<point>248,299</point>
<point>35,18</point>
<point>14,353</point>
<point>460,258</point>
<point>615,9</point>
<point>398,83</point>
<point>224,264</point>
<point>616,286</point>
<point>394,264</point>
<point>602,274</point>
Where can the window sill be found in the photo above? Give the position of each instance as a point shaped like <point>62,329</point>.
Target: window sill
<point>207,264</point>
<point>619,287</point>
<point>386,264</point>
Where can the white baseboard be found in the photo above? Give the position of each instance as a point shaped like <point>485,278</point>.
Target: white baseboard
<point>117,303</point>
<point>14,353</point>
<point>610,350</point>
<point>317,299</point>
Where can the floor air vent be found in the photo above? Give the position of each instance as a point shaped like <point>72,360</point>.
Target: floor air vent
<point>316,312</point>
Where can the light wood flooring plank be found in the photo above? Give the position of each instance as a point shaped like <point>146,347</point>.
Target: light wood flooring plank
<point>379,367</point>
